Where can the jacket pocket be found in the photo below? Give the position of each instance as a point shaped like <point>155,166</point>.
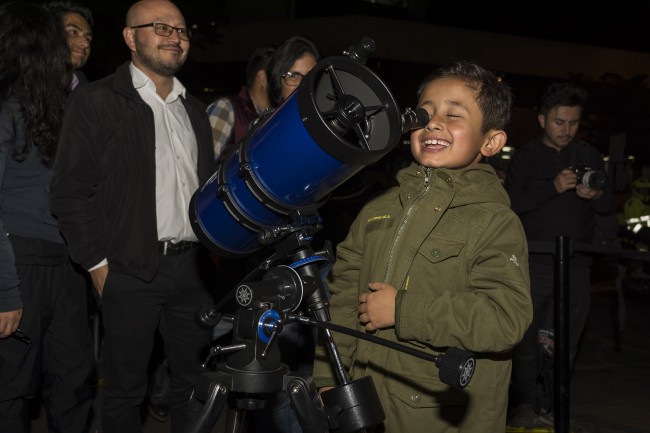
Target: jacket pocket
<point>438,267</point>
<point>438,250</point>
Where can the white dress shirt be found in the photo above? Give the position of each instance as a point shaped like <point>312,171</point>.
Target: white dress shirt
<point>176,158</point>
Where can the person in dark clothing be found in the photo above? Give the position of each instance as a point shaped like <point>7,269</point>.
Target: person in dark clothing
<point>134,148</point>
<point>231,116</point>
<point>40,290</point>
<point>547,193</point>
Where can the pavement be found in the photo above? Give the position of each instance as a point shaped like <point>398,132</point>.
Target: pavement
<point>610,387</point>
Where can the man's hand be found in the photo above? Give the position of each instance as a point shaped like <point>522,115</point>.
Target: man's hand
<point>377,307</point>
<point>9,321</point>
<point>98,276</point>
<point>565,180</point>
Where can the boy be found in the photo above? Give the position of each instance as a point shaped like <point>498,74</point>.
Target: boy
<point>439,261</point>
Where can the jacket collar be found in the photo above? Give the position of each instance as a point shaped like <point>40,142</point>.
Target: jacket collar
<point>123,83</point>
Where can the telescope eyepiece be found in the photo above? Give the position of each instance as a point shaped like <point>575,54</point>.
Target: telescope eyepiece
<point>414,119</point>
<point>361,51</point>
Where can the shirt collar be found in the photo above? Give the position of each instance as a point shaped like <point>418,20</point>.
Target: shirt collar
<point>75,82</point>
<point>141,80</point>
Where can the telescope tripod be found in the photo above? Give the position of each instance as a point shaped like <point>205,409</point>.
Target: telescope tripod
<point>253,371</point>
<point>250,376</point>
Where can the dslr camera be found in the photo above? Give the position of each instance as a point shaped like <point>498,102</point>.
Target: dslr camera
<point>593,179</point>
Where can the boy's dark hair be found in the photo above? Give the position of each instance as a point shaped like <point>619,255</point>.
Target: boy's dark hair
<point>293,48</point>
<point>563,94</point>
<point>257,61</point>
<point>493,96</point>
<point>63,7</point>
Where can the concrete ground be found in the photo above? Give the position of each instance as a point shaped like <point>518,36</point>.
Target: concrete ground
<point>610,387</point>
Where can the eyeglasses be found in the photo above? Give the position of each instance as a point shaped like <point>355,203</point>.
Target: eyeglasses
<point>166,30</point>
<point>292,79</point>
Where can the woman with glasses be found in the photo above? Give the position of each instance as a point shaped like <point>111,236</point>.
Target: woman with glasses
<point>293,59</point>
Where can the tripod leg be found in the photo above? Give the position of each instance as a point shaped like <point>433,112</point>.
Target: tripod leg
<point>306,403</point>
<point>236,421</point>
<point>206,403</point>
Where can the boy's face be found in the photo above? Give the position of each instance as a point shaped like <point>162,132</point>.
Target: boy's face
<point>453,137</point>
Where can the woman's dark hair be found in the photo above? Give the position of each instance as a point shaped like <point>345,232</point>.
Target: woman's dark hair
<point>293,48</point>
<point>36,68</point>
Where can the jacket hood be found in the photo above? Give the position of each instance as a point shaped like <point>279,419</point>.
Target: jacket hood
<point>471,185</point>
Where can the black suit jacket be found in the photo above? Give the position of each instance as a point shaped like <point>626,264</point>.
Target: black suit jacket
<point>103,189</point>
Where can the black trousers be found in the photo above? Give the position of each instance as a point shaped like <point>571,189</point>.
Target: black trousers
<point>55,317</point>
<point>132,311</point>
<point>528,363</point>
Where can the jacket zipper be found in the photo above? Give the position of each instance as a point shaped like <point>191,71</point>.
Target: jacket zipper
<point>389,265</point>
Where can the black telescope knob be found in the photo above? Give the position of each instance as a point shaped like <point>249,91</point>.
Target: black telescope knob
<point>456,367</point>
<point>361,51</point>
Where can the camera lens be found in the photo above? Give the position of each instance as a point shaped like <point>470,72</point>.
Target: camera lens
<point>594,179</point>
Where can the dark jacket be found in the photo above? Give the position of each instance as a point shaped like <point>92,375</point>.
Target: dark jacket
<point>544,213</point>
<point>103,188</point>
<point>457,254</point>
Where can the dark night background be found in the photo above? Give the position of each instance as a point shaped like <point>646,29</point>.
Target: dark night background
<point>617,104</point>
<point>619,101</point>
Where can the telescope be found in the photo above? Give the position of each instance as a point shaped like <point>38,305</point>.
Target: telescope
<point>340,118</point>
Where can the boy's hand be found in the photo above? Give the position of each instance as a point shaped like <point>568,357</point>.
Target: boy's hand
<point>377,307</point>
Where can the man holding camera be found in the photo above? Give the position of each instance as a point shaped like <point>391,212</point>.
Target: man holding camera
<point>557,186</point>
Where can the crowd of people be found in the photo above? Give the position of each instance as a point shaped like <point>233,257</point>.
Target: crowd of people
<point>96,179</point>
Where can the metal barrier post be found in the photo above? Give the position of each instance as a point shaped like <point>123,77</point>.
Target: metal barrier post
<point>561,325</point>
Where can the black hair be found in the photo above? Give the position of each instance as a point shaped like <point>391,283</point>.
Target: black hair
<point>563,95</point>
<point>63,7</point>
<point>293,48</point>
<point>37,70</point>
<point>493,95</point>
<point>257,61</point>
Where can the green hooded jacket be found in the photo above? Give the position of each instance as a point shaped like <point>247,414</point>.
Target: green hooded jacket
<point>448,241</point>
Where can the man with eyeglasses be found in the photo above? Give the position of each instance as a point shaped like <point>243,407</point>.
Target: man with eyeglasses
<point>134,147</point>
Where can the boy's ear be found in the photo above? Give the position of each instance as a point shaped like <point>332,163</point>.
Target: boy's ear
<point>496,140</point>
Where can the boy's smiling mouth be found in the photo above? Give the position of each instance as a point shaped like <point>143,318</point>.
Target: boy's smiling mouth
<point>434,142</point>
